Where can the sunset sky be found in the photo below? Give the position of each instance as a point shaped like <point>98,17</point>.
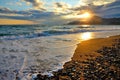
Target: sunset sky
<point>55,11</point>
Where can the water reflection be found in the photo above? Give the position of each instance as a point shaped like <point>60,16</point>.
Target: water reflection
<point>86,25</point>
<point>86,36</point>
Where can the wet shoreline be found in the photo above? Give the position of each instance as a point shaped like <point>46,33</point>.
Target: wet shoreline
<point>102,66</point>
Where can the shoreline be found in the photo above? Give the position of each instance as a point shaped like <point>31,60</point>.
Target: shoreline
<point>89,53</point>
<point>89,47</point>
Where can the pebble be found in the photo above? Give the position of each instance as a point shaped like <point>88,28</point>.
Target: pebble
<point>93,69</point>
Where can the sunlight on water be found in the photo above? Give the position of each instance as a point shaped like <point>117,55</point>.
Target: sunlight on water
<point>86,25</point>
<point>86,36</point>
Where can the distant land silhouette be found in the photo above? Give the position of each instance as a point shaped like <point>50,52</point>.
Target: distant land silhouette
<point>96,20</point>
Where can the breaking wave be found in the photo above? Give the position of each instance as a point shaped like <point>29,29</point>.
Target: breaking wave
<point>19,32</point>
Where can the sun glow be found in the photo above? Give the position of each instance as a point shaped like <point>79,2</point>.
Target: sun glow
<point>86,15</point>
<point>15,22</point>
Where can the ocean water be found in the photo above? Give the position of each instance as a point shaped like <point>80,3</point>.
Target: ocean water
<point>13,32</point>
<point>29,49</point>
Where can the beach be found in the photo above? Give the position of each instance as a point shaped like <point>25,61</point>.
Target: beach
<point>28,51</point>
<point>59,40</point>
<point>92,59</point>
<point>88,48</point>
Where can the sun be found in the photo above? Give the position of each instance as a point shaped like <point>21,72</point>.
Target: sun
<point>86,15</point>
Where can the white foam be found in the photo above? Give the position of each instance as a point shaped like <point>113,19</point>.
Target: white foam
<point>24,57</point>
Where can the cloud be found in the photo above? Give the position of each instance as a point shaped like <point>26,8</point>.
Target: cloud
<point>61,7</point>
<point>59,10</point>
<point>7,12</point>
<point>28,14</point>
<point>4,10</point>
<point>96,2</point>
<point>32,15</point>
<point>111,9</point>
<point>15,4</point>
<point>37,4</point>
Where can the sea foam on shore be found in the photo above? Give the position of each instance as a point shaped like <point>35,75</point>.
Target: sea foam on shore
<point>22,57</point>
<point>99,61</point>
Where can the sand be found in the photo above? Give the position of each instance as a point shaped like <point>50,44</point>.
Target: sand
<point>87,63</point>
<point>87,49</point>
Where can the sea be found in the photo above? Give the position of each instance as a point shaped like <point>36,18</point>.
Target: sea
<point>26,50</point>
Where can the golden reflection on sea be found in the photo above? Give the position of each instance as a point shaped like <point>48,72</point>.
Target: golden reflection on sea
<point>85,25</point>
<point>86,36</point>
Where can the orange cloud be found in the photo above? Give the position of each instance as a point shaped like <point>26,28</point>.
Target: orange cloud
<point>15,22</point>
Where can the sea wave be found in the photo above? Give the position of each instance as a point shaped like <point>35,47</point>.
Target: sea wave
<point>42,34</point>
<point>19,32</point>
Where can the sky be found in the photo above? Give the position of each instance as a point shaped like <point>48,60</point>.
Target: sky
<point>55,11</point>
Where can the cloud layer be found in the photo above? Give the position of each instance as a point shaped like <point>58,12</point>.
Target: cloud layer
<point>96,2</point>
<point>109,10</point>
<point>56,11</point>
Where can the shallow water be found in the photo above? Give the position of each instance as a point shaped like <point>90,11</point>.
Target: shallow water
<point>24,52</point>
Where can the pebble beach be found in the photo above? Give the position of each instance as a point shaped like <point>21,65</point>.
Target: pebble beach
<point>99,60</point>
